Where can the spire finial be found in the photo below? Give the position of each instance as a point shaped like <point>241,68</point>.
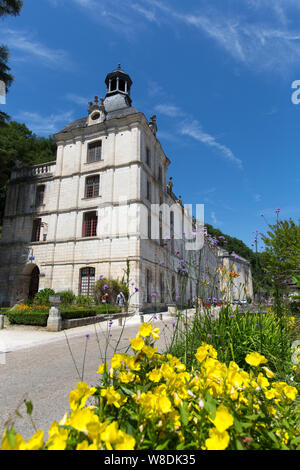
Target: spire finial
<point>119,66</point>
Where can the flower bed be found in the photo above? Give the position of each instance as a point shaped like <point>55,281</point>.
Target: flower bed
<point>149,401</point>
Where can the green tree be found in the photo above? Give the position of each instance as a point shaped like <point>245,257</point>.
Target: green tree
<point>281,258</point>
<point>7,7</point>
<point>10,7</point>
<point>19,146</point>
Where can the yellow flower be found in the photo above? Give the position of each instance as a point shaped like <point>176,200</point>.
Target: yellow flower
<point>154,375</point>
<point>217,440</point>
<point>255,359</point>
<point>80,419</point>
<point>290,392</point>
<point>126,377</point>
<point>114,436</point>
<point>137,343</point>
<point>149,351</point>
<point>204,351</point>
<point>223,419</point>
<point>57,437</point>
<point>268,372</point>
<point>145,329</point>
<point>19,441</point>
<point>272,393</point>
<point>116,361</point>
<point>132,363</point>
<point>155,333</point>
<point>113,397</point>
<point>164,405</point>
<point>35,442</point>
<point>262,381</point>
<point>103,367</point>
<point>84,445</point>
<point>79,396</point>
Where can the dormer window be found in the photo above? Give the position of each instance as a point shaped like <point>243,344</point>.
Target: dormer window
<point>94,152</point>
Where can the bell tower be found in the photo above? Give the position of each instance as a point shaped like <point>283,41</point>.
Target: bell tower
<point>118,84</point>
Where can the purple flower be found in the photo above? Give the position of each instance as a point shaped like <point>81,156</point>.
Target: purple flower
<point>173,323</point>
<point>177,297</point>
<point>155,317</point>
<point>232,316</point>
<point>137,289</point>
<point>87,336</point>
<point>277,211</point>
<point>154,294</point>
<point>132,283</point>
<point>101,277</point>
<point>209,335</point>
<point>162,262</point>
<point>105,286</point>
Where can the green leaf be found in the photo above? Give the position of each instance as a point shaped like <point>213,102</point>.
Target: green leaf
<point>29,407</point>
<point>126,390</point>
<point>184,413</point>
<point>11,437</point>
<point>210,406</point>
<point>163,446</point>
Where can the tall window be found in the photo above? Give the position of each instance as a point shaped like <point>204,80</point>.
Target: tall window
<point>87,281</point>
<point>39,195</point>
<point>92,186</point>
<point>162,288</point>
<point>94,152</point>
<point>148,156</point>
<point>172,231</point>
<point>173,292</point>
<point>90,220</point>
<point>160,174</point>
<point>161,242</point>
<point>148,286</point>
<point>36,230</point>
<point>149,191</point>
<point>149,224</point>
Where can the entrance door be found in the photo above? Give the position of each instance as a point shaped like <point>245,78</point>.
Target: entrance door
<point>34,282</point>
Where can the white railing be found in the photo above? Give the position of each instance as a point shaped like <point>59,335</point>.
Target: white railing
<point>43,169</point>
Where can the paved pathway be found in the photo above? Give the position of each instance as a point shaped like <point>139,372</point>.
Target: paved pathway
<point>38,364</point>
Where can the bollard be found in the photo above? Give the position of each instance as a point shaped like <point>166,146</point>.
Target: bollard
<point>160,316</point>
<point>120,321</point>
<point>1,322</point>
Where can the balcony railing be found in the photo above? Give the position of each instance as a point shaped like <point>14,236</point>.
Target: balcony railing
<point>41,170</point>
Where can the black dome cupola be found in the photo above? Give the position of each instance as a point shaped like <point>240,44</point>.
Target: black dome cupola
<point>118,82</point>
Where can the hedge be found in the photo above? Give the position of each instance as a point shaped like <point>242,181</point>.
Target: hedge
<point>40,318</point>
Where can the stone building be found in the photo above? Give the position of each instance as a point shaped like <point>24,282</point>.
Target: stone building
<point>104,204</point>
<point>88,213</point>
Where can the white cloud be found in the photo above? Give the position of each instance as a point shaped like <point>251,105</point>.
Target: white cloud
<point>45,125</point>
<point>169,110</point>
<point>80,100</point>
<point>22,41</point>
<point>214,219</point>
<point>194,129</point>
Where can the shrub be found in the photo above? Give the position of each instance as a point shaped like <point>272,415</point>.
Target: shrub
<point>23,318</point>
<point>111,287</point>
<point>147,400</point>
<point>42,297</point>
<point>295,307</point>
<point>69,297</point>
<point>84,300</point>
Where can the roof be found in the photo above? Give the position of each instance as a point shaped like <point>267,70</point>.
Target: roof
<point>119,113</point>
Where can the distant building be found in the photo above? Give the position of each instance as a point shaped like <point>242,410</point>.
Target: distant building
<point>105,202</point>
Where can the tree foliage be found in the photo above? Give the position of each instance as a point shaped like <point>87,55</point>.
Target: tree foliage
<point>7,7</point>
<point>10,7</point>
<point>19,146</point>
<point>281,258</point>
<point>261,282</point>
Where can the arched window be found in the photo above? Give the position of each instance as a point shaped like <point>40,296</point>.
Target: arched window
<point>87,281</point>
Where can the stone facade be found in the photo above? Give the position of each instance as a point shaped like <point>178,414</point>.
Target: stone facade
<point>104,202</point>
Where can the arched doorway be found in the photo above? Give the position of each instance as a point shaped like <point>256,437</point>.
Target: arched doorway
<point>34,282</point>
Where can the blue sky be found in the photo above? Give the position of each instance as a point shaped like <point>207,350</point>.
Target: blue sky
<point>217,73</point>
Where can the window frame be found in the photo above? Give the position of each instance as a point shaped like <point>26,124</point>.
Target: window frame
<point>95,186</point>
<point>90,231</point>
<point>94,145</point>
<point>36,230</point>
<point>91,279</point>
